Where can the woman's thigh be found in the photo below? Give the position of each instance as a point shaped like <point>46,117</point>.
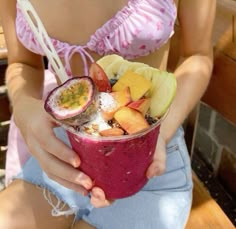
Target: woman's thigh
<point>149,210</point>
<point>23,206</point>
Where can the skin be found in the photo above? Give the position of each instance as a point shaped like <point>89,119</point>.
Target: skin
<point>196,21</point>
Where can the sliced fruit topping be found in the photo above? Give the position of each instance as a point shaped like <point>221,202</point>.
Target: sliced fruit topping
<point>108,114</point>
<point>100,78</point>
<point>138,84</point>
<point>117,100</point>
<point>105,61</point>
<point>163,84</point>
<point>131,120</point>
<point>72,102</point>
<point>122,97</point>
<point>132,66</point>
<point>115,69</point>
<point>112,132</point>
<point>115,66</point>
<point>147,72</point>
<point>141,105</point>
<point>111,65</point>
<point>162,92</point>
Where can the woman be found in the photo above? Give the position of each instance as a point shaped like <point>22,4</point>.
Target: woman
<point>165,201</point>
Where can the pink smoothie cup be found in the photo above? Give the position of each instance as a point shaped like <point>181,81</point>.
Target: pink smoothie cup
<point>118,165</point>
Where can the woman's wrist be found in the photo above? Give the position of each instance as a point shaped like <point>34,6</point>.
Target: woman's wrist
<point>170,125</point>
<point>166,133</point>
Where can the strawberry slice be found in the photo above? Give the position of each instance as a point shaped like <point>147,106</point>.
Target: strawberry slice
<point>100,78</point>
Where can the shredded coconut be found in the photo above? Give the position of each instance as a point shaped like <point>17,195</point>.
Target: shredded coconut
<point>94,126</point>
<point>107,102</point>
<point>97,124</point>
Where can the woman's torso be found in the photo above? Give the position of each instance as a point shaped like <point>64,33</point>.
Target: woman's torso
<point>74,22</point>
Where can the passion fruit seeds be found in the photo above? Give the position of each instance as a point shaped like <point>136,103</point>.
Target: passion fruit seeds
<point>73,102</point>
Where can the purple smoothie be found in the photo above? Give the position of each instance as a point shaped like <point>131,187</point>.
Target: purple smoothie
<point>116,164</point>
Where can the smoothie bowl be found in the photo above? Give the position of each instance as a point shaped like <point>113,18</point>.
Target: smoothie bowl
<point>113,120</point>
<point>116,164</point>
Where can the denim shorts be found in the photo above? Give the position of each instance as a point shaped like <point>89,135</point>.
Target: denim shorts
<point>164,202</point>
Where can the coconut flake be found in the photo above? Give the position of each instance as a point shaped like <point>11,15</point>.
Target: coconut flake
<point>97,121</point>
<point>107,102</point>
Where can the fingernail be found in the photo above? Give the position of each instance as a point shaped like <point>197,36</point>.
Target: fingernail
<point>96,195</point>
<point>84,180</point>
<point>149,177</point>
<point>75,162</point>
<point>157,172</point>
<point>154,173</point>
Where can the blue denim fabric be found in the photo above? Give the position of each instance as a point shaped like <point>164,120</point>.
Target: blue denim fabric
<point>164,202</point>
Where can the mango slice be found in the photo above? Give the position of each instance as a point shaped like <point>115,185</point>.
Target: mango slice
<point>138,84</point>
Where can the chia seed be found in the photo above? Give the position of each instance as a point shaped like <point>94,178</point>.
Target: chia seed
<point>112,81</point>
<point>150,120</point>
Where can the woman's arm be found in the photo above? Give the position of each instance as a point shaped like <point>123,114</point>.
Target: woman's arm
<point>24,76</point>
<point>24,79</point>
<point>193,73</point>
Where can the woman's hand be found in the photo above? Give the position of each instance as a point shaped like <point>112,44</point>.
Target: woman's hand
<point>58,161</point>
<point>98,198</point>
<point>158,164</point>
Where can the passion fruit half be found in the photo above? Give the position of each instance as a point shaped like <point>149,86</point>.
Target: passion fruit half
<point>73,102</point>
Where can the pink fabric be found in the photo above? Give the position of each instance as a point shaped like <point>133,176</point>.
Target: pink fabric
<point>141,27</point>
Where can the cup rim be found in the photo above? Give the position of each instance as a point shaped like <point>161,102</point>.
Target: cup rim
<point>113,138</point>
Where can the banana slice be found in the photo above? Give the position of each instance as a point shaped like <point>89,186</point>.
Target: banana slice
<point>116,69</point>
<point>134,66</point>
<point>107,60</point>
<point>115,66</point>
<point>120,67</point>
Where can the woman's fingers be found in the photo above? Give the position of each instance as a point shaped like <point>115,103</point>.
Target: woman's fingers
<point>158,164</point>
<point>41,130</point>
<point>60,150</point>
<point>55,167</point>
<point>50,143</point>
<point>70,185</point>
<point>98,198</point>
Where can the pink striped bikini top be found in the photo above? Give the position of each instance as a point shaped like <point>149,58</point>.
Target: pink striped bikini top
<point>140,28</point>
